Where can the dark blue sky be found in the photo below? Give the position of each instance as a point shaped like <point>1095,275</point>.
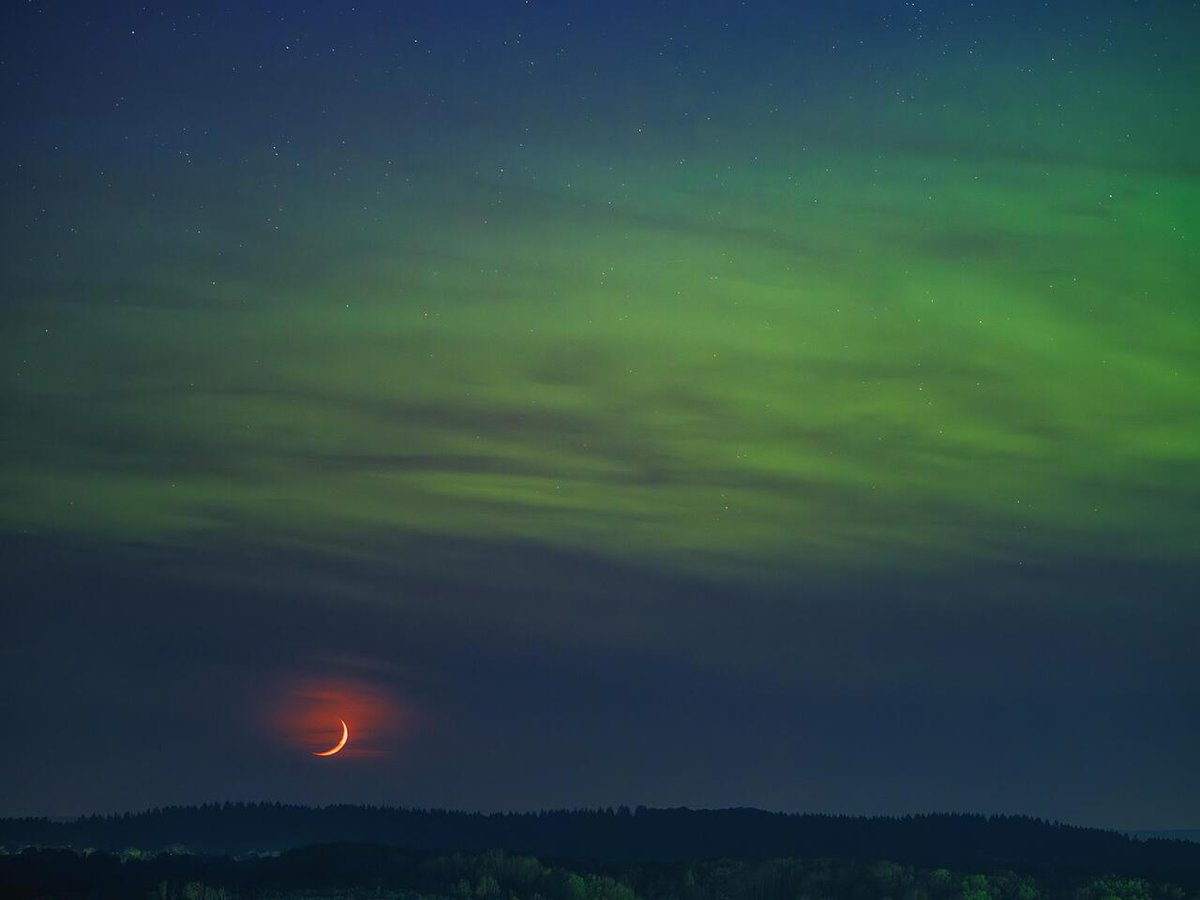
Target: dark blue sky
<point>672,404</point>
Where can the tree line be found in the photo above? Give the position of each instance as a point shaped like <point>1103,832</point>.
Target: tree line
<point>361,871</point>
<point>964,842</point>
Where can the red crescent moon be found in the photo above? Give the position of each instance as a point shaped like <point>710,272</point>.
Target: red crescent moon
<point>339,745</point>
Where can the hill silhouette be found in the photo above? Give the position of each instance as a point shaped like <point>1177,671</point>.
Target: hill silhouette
<point>967,842</point>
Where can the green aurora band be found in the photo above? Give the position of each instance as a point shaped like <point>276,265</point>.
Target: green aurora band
<point>923,326</point>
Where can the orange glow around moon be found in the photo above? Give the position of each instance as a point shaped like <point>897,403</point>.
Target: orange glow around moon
<point>339,745</point>
<point>303,713</point>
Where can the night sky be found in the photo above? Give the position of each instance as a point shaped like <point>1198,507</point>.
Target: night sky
<point>779,404</point>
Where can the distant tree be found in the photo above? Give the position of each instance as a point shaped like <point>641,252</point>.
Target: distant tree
<point>976,887</point>
<point>941,880</point>
<point>1112,888</point>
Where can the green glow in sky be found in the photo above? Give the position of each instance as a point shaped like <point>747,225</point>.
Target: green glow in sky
<point>855,358</point>
<point>586,374</point>
<point>942,315</point>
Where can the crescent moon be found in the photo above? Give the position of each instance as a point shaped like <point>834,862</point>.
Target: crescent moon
<point>339,745</point>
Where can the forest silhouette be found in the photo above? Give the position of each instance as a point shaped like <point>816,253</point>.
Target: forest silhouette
<point>621,854</point>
